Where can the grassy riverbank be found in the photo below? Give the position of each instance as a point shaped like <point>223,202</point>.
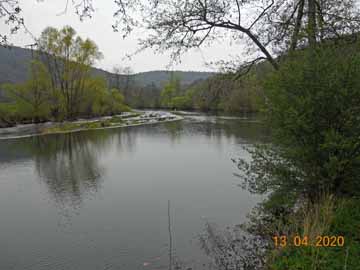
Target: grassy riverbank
<point>325,235</point>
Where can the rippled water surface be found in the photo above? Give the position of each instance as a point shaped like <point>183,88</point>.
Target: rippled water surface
<point>98,199</point>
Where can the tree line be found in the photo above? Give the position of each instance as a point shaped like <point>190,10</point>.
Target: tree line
<point>219,92</point>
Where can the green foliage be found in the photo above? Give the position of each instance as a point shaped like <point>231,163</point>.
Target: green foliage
<point>32,101</point>
<point>312,109</point>
<point>8,114</point>
<point>116,102</point>
<point>31,98</point>
<point>68,59</point>
<point>181,102</point>
<point>95,100</point>
<point>101,101</point>
<point>245,94</point>
<point>222,93</point>
<point>167,94</point>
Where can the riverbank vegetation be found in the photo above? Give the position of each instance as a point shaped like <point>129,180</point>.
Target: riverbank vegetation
<point>218,93</point>
<point>312,110</point>
<point>60,86</point>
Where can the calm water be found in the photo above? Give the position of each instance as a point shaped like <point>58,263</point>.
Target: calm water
<point>98,199</point>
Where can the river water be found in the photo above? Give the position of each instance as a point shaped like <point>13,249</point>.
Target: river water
<point>98,200</point>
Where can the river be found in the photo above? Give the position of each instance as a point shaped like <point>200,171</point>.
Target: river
<point>97,200</point>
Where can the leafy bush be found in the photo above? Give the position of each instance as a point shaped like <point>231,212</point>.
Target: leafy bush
<point>181,102</point>
<point>312,108</point>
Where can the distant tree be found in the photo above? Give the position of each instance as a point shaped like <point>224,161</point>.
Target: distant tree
<point>181,102</point>
<point>94,103</point>
<point>32,97</point>
<point>127,72</point>
<point>170,90</point>
<point>116,102</point>
<point>122,79</point>
<point>8,115</point>
<point>147,96</point>
<point>102,101</point>
<point>116,74</point>
<point>167,94</point>
<point>68,59</point>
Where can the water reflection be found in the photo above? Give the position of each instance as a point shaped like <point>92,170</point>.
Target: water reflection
<point>240,130</point>
<point>174,130</point>
<point>69,163</point>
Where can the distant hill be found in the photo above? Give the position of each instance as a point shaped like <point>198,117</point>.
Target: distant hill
<point>14,64</point>
<point>157,77</point>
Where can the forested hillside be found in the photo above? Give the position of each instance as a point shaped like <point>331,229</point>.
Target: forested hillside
<point>14,67</point>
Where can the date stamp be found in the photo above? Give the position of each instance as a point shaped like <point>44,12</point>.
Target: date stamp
<point>303,241</point>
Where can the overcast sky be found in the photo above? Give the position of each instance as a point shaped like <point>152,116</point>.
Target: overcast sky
<point>39,15</point>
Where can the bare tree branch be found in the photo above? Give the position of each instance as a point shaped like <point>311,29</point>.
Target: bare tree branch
<point>261,14</point>
<point>246,67</point>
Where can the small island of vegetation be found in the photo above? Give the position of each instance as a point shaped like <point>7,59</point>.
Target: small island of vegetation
<point>60,86</point>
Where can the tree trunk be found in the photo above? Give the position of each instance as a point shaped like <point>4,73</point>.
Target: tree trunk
<point>312,23</point>
<point>263,49</point>
<point>295,36</point>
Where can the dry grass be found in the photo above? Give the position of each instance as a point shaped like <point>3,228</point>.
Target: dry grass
<point>317,217</point>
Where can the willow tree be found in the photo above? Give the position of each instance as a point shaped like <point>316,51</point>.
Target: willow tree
<point>68,59</point>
